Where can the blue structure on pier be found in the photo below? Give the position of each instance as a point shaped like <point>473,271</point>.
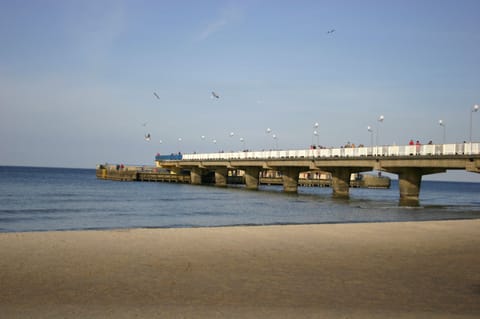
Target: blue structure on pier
<point>171,157</point>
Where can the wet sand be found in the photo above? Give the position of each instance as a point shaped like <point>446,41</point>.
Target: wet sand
<point>384,270</point>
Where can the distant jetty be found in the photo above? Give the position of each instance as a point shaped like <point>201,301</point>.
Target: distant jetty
<point>235,177</point>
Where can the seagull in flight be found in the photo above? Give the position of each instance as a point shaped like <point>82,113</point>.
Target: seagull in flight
<point>215,95</point>
<point>147,137</point>
<point>156,95</point>
<point>331,31</point>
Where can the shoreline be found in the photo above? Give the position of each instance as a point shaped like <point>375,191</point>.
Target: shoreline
<point>428,269</point>
<point>237,225</point>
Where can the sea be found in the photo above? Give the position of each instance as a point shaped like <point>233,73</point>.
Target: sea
<point>57,199</point>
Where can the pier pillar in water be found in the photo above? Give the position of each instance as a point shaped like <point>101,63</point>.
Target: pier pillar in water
<point>409,181</point>
<point>341,182</point>
<point>252,177</point>
<point>221,174</point>
<point>290,177</point>
<point>196,176</point>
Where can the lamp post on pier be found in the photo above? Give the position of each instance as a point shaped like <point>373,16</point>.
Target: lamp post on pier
<point>275,138</point>
<point>214,141</point>
<point>474,110</point>
<point>442,124</point>
<point>242,140</point>
<point>377,143</point>
<point>179,144</point>
<point>369,128</point>
<point>380,120</point>
<point>267,132</point>
<point>231,134</point>
<point>315,133</point>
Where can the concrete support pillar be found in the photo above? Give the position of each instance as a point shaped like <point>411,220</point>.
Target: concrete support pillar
<point>409,180</point>
<point>252,177</point>
<point>341,182</point>
<point>221,174</point>
<point>196,176</point>
<point>290,179</point>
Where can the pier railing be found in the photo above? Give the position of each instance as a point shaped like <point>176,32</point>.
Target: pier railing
<point>393,150</point>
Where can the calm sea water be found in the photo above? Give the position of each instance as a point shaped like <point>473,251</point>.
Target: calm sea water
<point>41,199</point>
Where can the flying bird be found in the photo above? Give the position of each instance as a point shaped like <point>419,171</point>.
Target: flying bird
<point>215,95</point>
<point>156,95</point>
<point>331,31</point>
<point>147,137</point>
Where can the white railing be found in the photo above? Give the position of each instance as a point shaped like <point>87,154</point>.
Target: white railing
<point>402,150</point>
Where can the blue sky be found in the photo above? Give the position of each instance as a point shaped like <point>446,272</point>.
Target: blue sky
<point>77,77</point>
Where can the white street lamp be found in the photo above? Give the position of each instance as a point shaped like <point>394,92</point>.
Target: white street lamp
<point>369,128</point>
<point>315,133</point>
<point>442,124</point>
<point>380,120</point>
<point>474,109</point>
<point>231,134</point>
<point>267,132</point>
<point>179,144</point>
<point>203,138</point>
<point>242,140</point>
<point>275,138</point>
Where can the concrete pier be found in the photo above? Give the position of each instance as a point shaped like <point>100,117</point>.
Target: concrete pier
<point>290,177</point>
<point>341,182</point>
<point>221,174</point>
<point>196,175</point>
<point>252,179</point>
<point>409,162</point>
<point>409,182</point>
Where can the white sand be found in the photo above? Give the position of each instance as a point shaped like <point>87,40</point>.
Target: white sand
<point>385,270</point>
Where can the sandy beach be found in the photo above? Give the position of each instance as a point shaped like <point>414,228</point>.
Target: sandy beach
<point>384,270</point>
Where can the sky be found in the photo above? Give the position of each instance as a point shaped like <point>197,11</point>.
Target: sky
<point>77,77</point>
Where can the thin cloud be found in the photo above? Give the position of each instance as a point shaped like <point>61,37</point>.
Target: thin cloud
<point>211,29</point>
<point>227,17</point>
